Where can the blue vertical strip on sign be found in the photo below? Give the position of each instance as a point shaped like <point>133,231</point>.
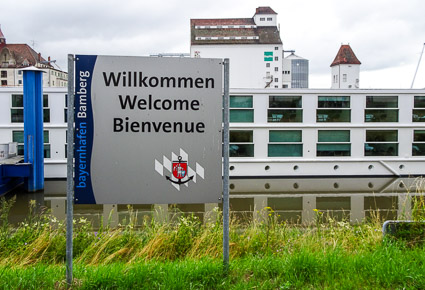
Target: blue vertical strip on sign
<point>84,127</point>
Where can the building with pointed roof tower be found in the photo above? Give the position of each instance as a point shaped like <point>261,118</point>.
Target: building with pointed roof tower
<point>14,57</point>
<point>345,69</point>
<point>253,46</point>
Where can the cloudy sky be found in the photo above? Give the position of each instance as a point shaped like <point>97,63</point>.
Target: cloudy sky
<point>386,35</point>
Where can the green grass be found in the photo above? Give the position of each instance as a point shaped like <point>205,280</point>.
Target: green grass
<point>389,266</point>
<point>187,254</point>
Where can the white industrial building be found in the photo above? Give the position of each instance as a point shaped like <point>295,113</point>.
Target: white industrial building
<point>295,72</point>
<point>253,46</point>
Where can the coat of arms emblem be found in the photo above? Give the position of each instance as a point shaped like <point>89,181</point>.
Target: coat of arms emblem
<point>179,170</point>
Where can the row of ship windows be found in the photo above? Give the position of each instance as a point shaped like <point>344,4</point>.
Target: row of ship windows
<point>288,143</point>
<point>330,109</point>
<point>283,109</point>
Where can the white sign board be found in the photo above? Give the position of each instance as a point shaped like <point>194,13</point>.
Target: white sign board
<point>147,130</point>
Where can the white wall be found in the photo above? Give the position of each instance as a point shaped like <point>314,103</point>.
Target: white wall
<point>247,66</point>
<point>287,78</point>
<point>266,22</point>
<point>353,74</point>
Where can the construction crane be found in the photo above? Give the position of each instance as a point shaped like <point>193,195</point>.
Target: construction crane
<point>419,62</point>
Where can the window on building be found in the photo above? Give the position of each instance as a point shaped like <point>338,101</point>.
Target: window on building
<point>276,48</point>
<point>276,69</point>
<point>276,80</point>
<point>285,86</point>
<point>19,72</point>
<point>269,19</point>
<point>262,18</point>
<point>241,143</point>
<point>333,143</point>
<point>17,110</point>
<point>418,146</point>
<point>19,82</point>
<point>333,109</point>
<point>285,109</point>
<point>285,143</point>
<point>4,82</point>
<point>18,136</point>
<point>381,143</point>
<point>46,110</point>
<point>4,73</point>
<point>241,109</point>
<point>381,109</point>
<point>65,110</point>
<point>344,78</point>
<point>268,64</point>
<point>276,58</point>
<point>418,114</point>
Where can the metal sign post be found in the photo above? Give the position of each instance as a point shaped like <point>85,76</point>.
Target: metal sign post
<point>70,171</point>
<point>226,167</point>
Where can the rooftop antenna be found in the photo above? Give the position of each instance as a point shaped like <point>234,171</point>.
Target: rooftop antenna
<point>419,62</point>
<point>33,43</point>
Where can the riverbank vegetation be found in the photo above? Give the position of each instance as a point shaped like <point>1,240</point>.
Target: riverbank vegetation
<point>187,254</point>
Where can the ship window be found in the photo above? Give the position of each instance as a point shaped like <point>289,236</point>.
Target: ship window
<point>419,109</point>
<point>285,143</point>
<point>18,136</point>
<point>418,146</point>
<point>381,143</point>
<point>65,110</point>
<point>285,109</point>
<point>17,110</point>
<point>381,109</point>
<point>241,143</point>
<point>241,110</point>
<point>333,143</point>
<point>333,109</point>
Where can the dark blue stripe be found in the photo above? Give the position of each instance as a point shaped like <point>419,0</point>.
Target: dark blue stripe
<point>84,64</point>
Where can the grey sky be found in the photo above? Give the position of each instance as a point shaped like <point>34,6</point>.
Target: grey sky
<point>386,35</point>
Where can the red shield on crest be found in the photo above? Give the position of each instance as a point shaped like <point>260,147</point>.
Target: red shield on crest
<point>179,168</point>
